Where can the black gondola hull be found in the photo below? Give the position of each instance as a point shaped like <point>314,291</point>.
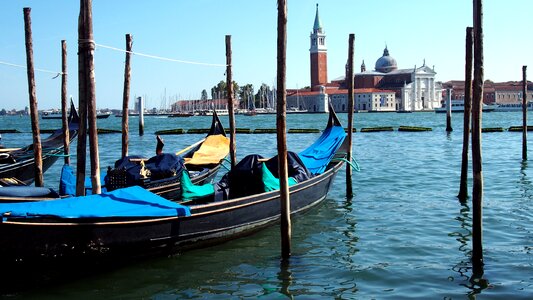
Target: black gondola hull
<point>52,240</point>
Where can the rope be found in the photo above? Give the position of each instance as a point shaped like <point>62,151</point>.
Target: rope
<point>160,57</point>
<point>226,160</point>
<point>354,164</point>
<point>40,70</point>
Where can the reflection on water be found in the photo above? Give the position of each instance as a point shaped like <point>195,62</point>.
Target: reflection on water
<point>285,277</point>
<point>525,184</point>
<point>476,284</point>
<point>392,240</point>
<point>463,235</point>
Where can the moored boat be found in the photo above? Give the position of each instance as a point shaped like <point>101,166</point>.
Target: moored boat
<point>133,222</point>
<point>20,163</point>
<point>458,105</point>
<point>512,106</point>
<point>161,174</point>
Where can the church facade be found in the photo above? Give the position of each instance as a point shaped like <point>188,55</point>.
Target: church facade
<point>386,88</point>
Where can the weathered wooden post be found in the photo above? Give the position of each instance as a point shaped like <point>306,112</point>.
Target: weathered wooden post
<point>449,110</point>
<point>281,125</point>
<point>81,151</point>
<point>87,89</point>
<point>34,113</point>
<point>229,89</point>
<point>349,78</point>
<point>141,115</point>
<point>477,100</point>
<point>524,113</point>
<point>463,186</point>
<point>64,103</point>
<point>126,96</point>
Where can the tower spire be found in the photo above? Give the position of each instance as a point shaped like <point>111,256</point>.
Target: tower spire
<point>318,53</point>
<point>318,25</point>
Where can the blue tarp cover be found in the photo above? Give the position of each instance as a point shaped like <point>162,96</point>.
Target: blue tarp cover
<point>67,182</point>
<point>317,156</point>
<point>128,202</point>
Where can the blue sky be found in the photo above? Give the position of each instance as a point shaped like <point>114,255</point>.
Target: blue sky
<point>413,30</point>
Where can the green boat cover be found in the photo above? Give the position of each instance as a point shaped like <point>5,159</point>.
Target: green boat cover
<point>128,202</point>
<point>190,191</point>
<point>272,182</point>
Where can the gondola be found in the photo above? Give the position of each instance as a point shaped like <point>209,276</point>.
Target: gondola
<point>201,161</point>
<point>20,163</point>
<point>133,222</point>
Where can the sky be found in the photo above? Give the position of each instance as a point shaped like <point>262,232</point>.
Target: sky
<point>413,30</point>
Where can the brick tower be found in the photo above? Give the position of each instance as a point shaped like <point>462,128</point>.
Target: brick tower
<point>318,54</point>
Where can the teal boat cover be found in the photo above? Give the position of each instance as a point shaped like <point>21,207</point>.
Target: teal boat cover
<point>128,202</point>
<point>317,156</point>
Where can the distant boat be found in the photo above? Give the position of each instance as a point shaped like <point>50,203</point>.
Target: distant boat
<point>181,115</point>
<point>250,113</point>
<point>458,105</point>
<point>57,115</point>
<point>513,106</point>
<point>220,112</point>
<point>295,110</point>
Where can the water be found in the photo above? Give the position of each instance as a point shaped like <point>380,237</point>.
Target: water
<point>403,235</point>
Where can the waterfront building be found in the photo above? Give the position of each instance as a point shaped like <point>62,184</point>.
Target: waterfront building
<point>415,88</point>
<point>386,88</point>
<point>509,92</point>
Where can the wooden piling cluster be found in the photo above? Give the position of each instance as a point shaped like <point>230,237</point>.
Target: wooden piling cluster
<point>87,101</point>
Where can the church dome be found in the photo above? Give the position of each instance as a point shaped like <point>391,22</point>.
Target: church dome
<point>386,63</point>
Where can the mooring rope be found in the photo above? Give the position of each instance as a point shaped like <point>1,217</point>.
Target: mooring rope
<point>39,70</point>
<point>226,160</point>
<point>160,57</point>
<point>353,164</point>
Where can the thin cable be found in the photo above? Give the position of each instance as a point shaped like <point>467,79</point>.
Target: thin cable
<point>40,70</point>
<point>161,58</point>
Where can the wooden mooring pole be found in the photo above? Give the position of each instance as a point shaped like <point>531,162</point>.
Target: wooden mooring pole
<point>463,186</point>
<point>126,96</point>
<point>477,100</point>
<point>524,113</point>
<point>281,115</point>
<point>64,102</point>
<point>34,113</point>
<point>349,78</point>
<point>449,110</point>
<point>141,115</point>
<point>86,48</point>
<point>231,112</point>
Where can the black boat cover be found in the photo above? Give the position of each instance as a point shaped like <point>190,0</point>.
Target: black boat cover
<point>161,166</point>
<point>247,177</point>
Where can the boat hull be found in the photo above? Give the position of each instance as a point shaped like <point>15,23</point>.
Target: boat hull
<point>59,240</point>
<point>25,170</point>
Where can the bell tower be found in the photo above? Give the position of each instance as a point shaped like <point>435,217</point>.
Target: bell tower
<point>318,55</point>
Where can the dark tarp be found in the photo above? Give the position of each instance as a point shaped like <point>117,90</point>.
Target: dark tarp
<point>161,166</point>
<point>246,178</point>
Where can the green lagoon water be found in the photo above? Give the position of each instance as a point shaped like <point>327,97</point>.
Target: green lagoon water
<point>403,235</point>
